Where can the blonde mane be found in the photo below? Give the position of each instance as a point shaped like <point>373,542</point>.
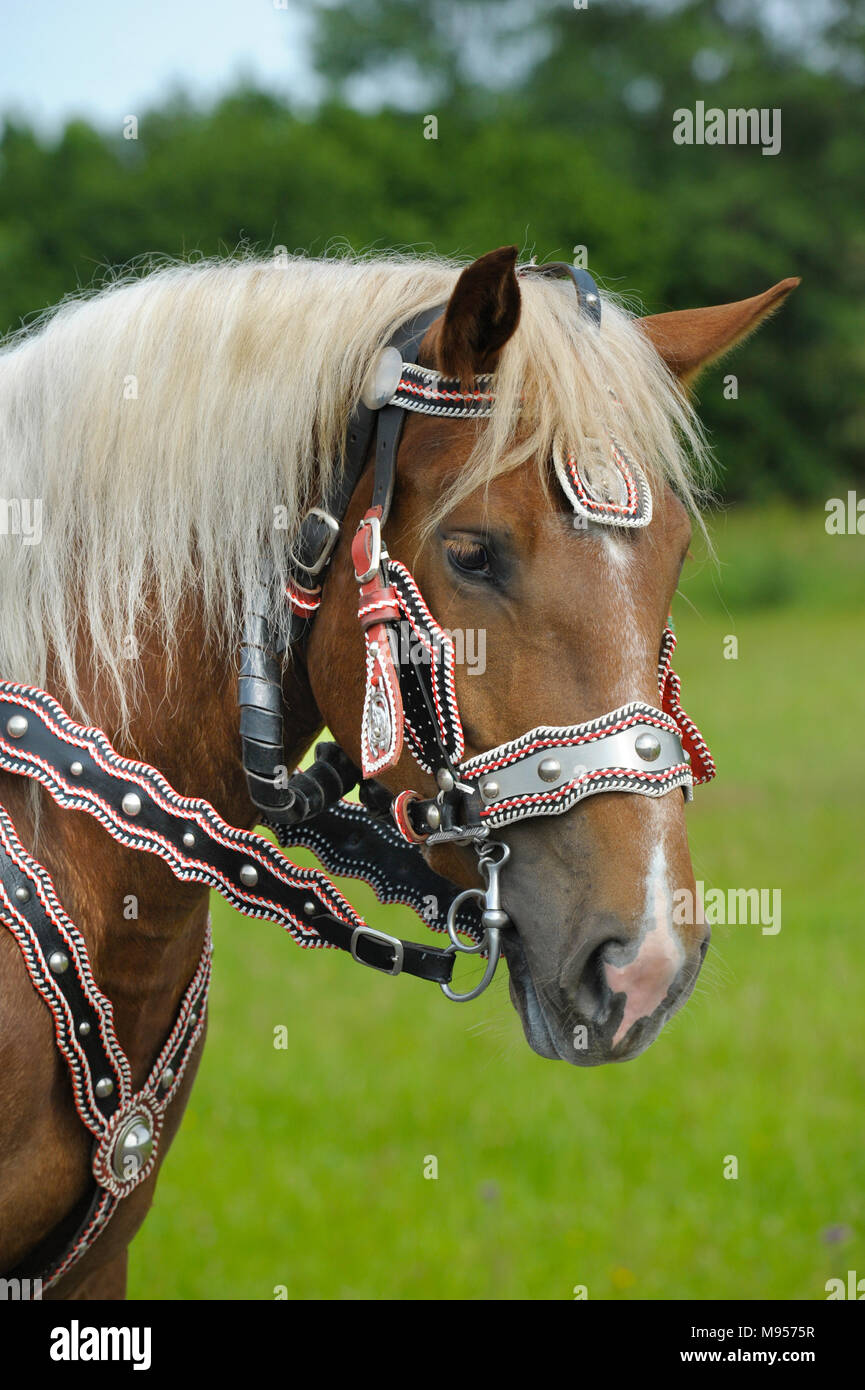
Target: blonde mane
<point>175,426</point>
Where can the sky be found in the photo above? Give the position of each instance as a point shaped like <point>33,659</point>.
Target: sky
<point>107,59</point>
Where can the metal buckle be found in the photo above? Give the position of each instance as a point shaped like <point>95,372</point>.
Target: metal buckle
<point>327,545</point>
<point>378,936</point>
<point>374,525</point>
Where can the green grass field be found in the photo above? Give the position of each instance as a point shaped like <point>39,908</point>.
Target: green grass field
<point>304,1168</point>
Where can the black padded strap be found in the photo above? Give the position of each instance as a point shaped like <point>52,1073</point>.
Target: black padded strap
<point>140,809</point>
<point>353,841</point>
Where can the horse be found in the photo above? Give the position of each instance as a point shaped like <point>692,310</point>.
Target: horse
<point>203,446</point>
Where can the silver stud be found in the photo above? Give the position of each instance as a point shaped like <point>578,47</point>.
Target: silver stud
<point>17,726</point>
<point>104,1087</point>
<point>249,875</point>
<point>310,908</point>
<point>76,768</point>
<point>433,817</point>
<point>131,804</point>
<point>22,894</point>
<point>166,1078</point>
<point>193,1018</point>
<point>83,1029</point>
<point>445,779</point>
<point>490,789</point>
<point>58,962</point>
<point>648,747</point>
<point>550,770</point>
<point>188,839</point>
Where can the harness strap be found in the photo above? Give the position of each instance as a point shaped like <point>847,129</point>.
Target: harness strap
<point>125,1125</point>
<point>136,805</point>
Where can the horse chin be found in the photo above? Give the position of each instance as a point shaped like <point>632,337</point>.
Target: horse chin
<point>525,1000</point>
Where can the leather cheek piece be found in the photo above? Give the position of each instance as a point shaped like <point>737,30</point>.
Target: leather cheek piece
<point>381,737</point>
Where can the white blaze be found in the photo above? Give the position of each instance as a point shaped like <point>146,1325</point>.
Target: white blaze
<point>645,980</point>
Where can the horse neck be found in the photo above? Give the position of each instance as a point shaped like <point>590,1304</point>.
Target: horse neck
<point>143,928</point>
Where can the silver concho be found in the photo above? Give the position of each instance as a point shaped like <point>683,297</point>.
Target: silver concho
<point>603,482</point>
<point>132,1147</point>
<point>378,723</point>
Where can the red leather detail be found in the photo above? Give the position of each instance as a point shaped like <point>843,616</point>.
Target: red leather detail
<point>382,689</point>
<point>399,811</point>
<point>377,604</point>
<point>302,601</point>
<point>702,763</point>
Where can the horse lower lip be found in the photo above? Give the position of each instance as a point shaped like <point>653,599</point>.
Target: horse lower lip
<point>538,1033</point>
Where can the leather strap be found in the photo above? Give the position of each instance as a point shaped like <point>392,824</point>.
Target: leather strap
<point>138,808</point>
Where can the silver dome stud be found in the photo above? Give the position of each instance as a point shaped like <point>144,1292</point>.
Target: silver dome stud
<point>17,726</point>
<point>83,1029</point>
<point>648,747</point>
<point>445,779</point>
<point>310,908</point>
<point>131,804</point>
<point>490,789</point>
<point>433,817</point>
<point>382,379</point>
<point>166,1078</point>
<point>132,1148</point>
<point>76,768</point>
<point>189,839</point>
<point>248,875</point>
<point>58,962</point>
<point>22,894</point>
<point>104,1087</point>
<point>550,770</point>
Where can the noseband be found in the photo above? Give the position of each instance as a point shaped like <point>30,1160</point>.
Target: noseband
<point>407,704</point>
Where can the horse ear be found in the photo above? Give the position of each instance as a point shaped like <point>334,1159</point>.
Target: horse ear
<point>481,315</point>
<point>690,339</point>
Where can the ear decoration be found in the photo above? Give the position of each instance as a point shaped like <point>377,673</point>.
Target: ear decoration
<point>606,486</point>
<point>670,687</point>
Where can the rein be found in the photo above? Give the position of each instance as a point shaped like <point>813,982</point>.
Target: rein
<point>637,748</point>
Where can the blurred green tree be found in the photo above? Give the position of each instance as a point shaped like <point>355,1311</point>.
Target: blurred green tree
<point>554,130</point>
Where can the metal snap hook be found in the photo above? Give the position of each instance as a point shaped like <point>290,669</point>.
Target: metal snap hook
<point>492,939</point>
<point>493,918</point>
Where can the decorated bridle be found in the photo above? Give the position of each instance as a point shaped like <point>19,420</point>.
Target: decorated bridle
<point>546,771</point>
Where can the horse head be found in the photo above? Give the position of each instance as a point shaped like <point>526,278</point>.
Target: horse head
<point>569,605</point>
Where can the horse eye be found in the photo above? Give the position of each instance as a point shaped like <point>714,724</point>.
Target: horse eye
<point>469,557</point>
